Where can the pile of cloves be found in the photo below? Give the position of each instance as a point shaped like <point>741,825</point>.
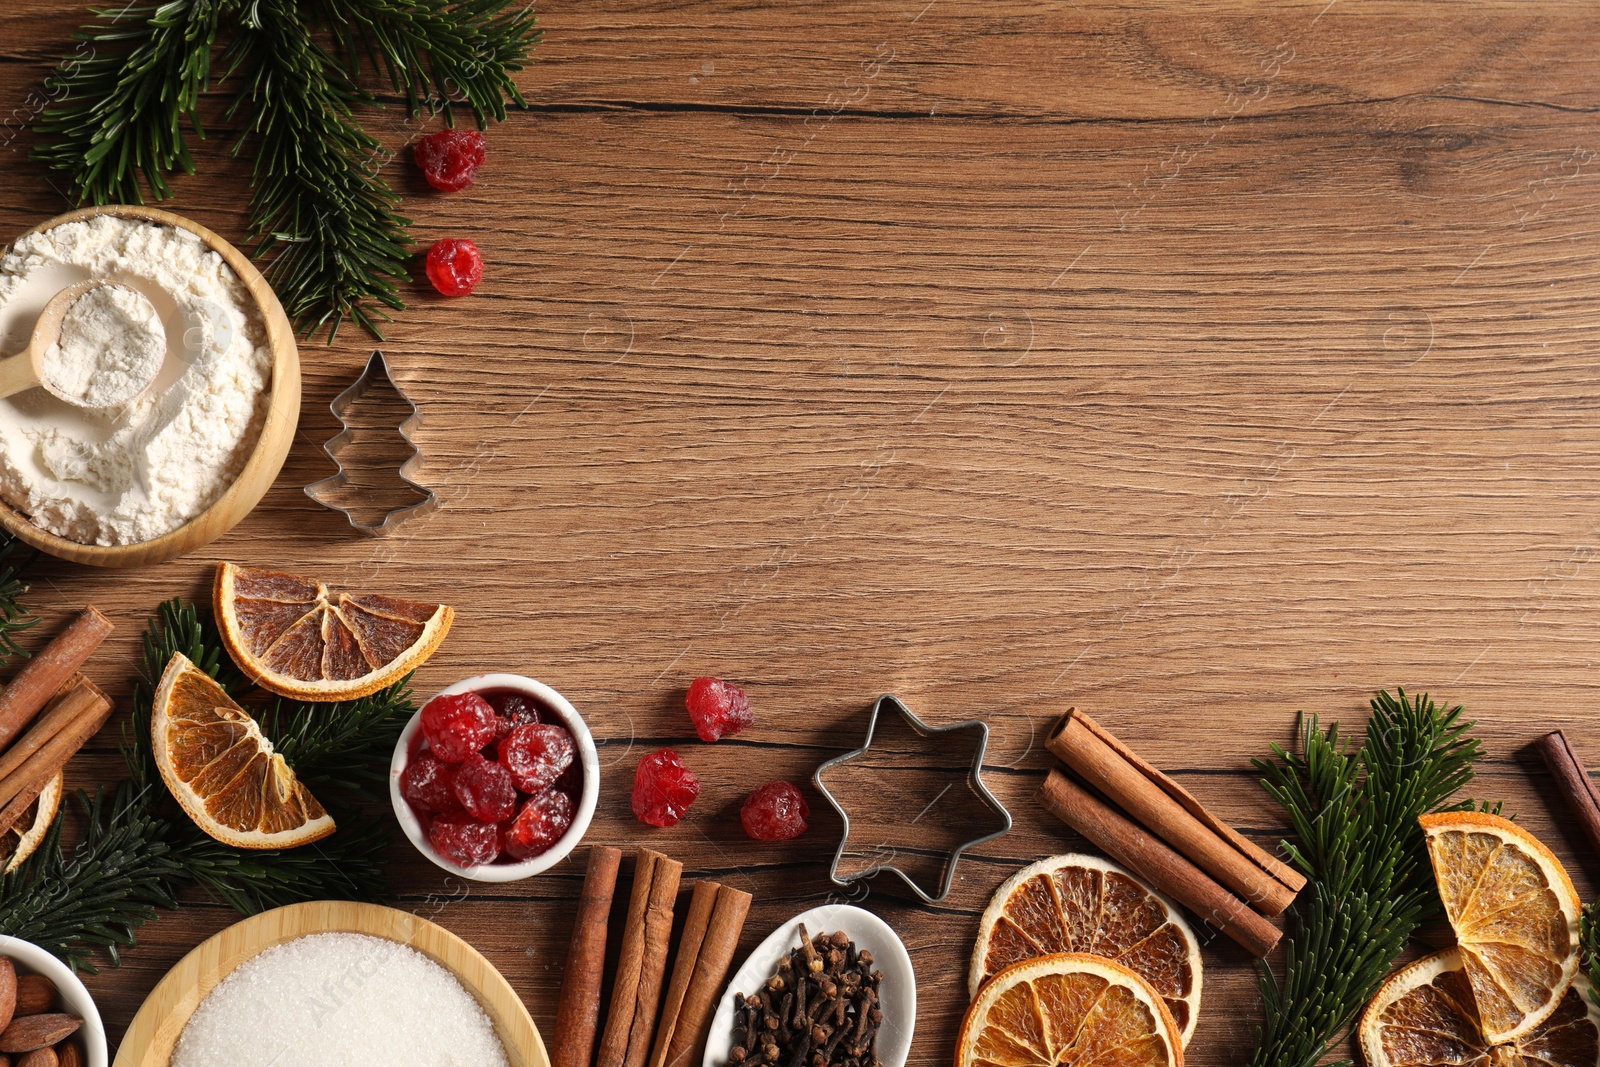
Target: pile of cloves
<point>819,1010</point>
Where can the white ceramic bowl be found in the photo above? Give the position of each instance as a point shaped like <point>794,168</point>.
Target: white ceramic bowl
<point>29,958</point>
<point>587,756</point>
<point>889,955</point>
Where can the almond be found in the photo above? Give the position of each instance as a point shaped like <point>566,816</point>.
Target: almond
<point>67,1054</point>
<point>8,991</point>
<point>36,1031</point>
<point>36,995</point>
<point>39,1057</point>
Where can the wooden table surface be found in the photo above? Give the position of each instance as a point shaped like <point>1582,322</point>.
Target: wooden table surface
<point>1193,370</point>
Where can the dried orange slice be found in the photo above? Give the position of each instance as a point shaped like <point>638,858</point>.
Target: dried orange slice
<point>1077,903</point>
<point>1515,915</point>
<point>22,840</point>
<point>1425,1015</point>
<point>1070,1009</point>
<point>300,639</point>
<point>223,772</point>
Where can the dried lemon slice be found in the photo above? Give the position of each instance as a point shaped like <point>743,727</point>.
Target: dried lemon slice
<point>1068,1010</point>
<point>300,639</point>
<point>1515,915</point>
<point>223,771</point>
<point>1078,903</point>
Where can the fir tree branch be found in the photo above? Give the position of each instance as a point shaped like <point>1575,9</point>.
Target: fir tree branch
<point>318,206</point>
<point>340,750</point>
<point>119,873</point>
<point>14,617</point>
<point>436,51</point>
<point>124,96</point>
<point>345,745</point>
<point>1589,947</point>
<point>1354,816</point>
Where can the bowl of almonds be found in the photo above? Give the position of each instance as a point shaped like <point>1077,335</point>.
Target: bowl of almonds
<point>47,1018</point>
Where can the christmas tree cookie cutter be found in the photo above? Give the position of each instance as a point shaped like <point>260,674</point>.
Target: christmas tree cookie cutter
<point>930,734</point>
<point>374,376</point>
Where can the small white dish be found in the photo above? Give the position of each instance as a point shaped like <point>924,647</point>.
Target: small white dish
<point>587,756</point>
<point>897,996</point>
<point>29,958</point>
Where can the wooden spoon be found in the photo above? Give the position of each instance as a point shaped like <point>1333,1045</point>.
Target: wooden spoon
<point>25,370</point>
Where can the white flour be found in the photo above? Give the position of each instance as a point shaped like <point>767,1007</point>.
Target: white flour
<point>111,346</point>
<point>120,475</point>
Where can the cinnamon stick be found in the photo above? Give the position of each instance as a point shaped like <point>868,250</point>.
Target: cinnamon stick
<point>47,670</point>
<point>1130,844</point>
<point>578,1009</point>
<point>56,715</point>
<point>657,940</point>
<point>701,903</point>
<point>637,992</point>
<point>1574,782</point>
<point>687,1041</point>
<point>1171,812</point>
<point>23,785</point>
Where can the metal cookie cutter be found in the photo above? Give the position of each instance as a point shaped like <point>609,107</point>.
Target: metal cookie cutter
<point>975,778</point>
<point>375,375</point>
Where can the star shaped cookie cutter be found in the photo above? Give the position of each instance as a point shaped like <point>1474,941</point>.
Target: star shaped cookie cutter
<point>974,778</point>
<point>375,375</point>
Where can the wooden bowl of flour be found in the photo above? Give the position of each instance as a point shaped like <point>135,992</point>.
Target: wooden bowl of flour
<point>266,457</point>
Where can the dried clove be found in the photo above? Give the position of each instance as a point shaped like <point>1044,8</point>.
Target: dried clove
<point>819,1009</point>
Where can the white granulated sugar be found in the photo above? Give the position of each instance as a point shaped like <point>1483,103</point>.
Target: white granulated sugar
<point>334,1000</point>
<point>111,346</point>
<point>120,475</point>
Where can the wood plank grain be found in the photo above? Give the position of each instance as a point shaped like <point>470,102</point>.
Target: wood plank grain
<point>1197,371</point>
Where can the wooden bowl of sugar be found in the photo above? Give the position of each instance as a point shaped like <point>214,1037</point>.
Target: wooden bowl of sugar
<point>152,1038</point>
<point>265,458</point>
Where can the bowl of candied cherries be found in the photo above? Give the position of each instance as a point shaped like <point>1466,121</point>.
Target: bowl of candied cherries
<point>496,778</point>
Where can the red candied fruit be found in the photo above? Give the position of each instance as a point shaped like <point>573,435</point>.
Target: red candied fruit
<point>457,726</point>
<point>454,267</point>
<point>450,158</point>
<point>719,709</point>
<point>463,840</point>
<point>514,710</point>
<point>536,755</point>
<point>540,824</point>
<point>429,783</point>
<point>486,790</point>
<point>663,788</point>
<point>775,812</point>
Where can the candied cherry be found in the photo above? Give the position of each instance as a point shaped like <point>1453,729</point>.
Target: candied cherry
<point>775,812</point>
<point>450,158</point>
<point>663,788</point>
<point>536,755</point>
<point>429,783</point>
<point>455,267</point>
<point>540,824</point>
<point>514,710</point>
<point>456,726</point>
<point>719,709</point>
<point>486,790</point>
<point>463,840</point>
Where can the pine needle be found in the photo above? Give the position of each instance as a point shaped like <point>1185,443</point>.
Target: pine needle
<point>1589,947</point>
<point>434,50</point>
<point>112,882</point>
<point>140,849</point>
<point>320,210</point>
<point>14,618</point>
<point>125,95</point>
<point>1354,816</point>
